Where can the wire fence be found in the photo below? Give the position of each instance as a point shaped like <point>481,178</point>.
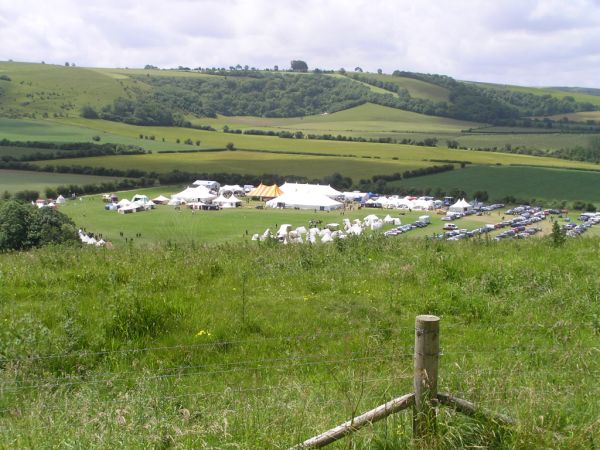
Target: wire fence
<point>369,373</point>
<point>264,339</point>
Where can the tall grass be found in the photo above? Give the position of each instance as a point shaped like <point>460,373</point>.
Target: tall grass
<point>262,346</point>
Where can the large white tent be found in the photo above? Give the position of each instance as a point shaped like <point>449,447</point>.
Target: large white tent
<point>302,188</point>
<point>306,200</point>
<point>194,194</point>
<point>460,206</point>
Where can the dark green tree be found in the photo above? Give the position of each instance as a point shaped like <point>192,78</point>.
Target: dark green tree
<point>558,235</point>
<point>14,219</point>
<point>299,66</point>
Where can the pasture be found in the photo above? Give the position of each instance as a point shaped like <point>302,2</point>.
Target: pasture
<point>416,88</point>
<point>521,182</point>
<point>578,96</point>
<point>20,180</point>
<point>364,120</point>
<point>255,346</point>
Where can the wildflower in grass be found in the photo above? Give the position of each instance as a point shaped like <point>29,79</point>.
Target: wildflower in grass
<point>203,333</point>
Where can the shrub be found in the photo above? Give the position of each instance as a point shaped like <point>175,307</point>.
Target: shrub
<point>88,112</point>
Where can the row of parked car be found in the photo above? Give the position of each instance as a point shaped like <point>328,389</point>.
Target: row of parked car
<point>573,230</point>
<point>406,228</point>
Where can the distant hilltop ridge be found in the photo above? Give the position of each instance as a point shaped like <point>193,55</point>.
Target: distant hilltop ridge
<point>169,97</point>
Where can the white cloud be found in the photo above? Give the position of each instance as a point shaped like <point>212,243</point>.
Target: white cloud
<point>537,42</point>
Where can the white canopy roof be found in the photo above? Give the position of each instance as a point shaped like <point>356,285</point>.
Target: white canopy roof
<point>226,202</point>
<point>194,194</point>
<point>310,188</point>
<point>231,188</point>
<point>462,203</point>
<point>306,200</point>
<point>160,199</point>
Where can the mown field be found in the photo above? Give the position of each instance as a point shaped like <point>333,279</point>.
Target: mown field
<point>253,346</point>
<point>519,182</point>
<point>165,224</point>
<point>20,180</point>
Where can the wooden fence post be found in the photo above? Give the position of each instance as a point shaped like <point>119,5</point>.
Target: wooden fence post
<point>427,349</point>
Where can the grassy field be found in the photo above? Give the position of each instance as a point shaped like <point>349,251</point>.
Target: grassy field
<point>253,346</point>
<point>20,180</point>
<point>183,226</point>
<point>166,224</point>
<point>365,119</point>
<point>39,89</point>
<point>520,182</point>
<point>416,88</point>
<point>578,96</point>
<point>579,116</point>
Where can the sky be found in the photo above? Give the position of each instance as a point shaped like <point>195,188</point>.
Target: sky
<point>526,42</point>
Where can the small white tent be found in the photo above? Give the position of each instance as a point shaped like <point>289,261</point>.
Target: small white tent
<point>227,202</point>
<point>461,206</point>
<point>233,190</point>
<point>161,200</point>
<point>60,200</point>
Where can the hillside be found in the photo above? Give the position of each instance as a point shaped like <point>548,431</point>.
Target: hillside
<point>155,97</point>
<point>262,347</point>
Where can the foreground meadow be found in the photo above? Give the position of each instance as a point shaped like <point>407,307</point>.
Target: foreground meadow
<point>261,346</point>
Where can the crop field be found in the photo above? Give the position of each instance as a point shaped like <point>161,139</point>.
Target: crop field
<point>74,131</point>
<point>247,162</point>
<point>407,153</point>
<point>20,180</point>
<point>22,151</point>
<point>260,346</point>
<point>520,182</point>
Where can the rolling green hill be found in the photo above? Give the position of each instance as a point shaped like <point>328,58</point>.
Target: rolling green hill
<point>40,102</point>
<point>416,88</point>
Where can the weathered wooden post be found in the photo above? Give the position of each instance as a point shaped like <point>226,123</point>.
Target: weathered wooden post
<point>427,349</point>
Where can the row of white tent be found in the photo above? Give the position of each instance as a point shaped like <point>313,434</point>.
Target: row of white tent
<point>90,240</point>
<point>412,203</point>
<point>201,194</point>
<point>330,232</point>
